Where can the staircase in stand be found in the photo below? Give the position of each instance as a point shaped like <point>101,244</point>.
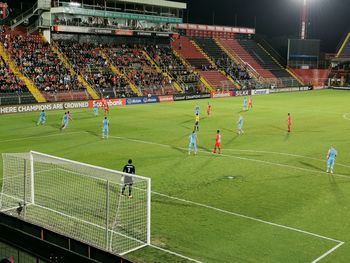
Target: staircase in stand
<point>165,74</point>
<point>116,71</point>
<point>92,92</point>
<point>212,78</point>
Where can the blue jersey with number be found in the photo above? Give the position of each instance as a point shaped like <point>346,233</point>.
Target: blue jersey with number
<point>43,115</point>
<point>65,118</point>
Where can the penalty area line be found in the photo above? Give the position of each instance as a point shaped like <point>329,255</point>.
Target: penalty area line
<point>328,252</point>
<point>175,254</point>
<point>339,243</point>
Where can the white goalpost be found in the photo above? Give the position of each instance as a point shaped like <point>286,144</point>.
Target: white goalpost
<point>78,200</point>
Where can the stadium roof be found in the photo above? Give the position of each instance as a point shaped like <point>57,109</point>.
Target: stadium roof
<point>162,3</point>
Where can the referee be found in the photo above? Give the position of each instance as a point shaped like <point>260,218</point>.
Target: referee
<point>130,169</point>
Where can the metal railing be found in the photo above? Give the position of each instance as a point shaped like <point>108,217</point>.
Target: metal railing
<point>24,15</point>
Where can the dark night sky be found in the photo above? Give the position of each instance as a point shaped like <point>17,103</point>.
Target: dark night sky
<point>278,19</point>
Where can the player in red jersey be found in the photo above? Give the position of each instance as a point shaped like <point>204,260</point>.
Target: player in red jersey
<point>106,108</point>
<point>289,122</point>
<point>208,109</point>
<point>103,101</point>
<point>218,142</point>
<point>250,102</point>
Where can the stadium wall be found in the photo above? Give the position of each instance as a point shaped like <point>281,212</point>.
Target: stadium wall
<point>48,246</point>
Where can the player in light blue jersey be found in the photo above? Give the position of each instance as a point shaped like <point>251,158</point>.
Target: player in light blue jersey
<point>332,153</point>
<point>193,142</point>
<point>95,106</point>
<point>42,118</point>
<point>197,109</point>
<point>245,104</point>
<point>65,121</point>
<point>240,125</point>
<point>105,128</point>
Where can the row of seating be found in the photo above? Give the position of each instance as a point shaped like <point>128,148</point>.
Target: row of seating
<point>164,57</point>
<point>267,62</point>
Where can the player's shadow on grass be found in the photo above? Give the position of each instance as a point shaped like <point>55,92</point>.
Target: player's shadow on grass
<point>186,127</point>
<point>205,149</point>
<point>93,133</point>
<point>311,165</point>
<point>229,130</point>
<point>178,149</point>
<point>232,139</point>
<point>277,128</point>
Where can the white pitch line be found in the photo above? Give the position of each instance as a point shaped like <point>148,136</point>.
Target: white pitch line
<point>40,136</point>
<point>232,156</point>
<point>285,154</point>
<point>328,252</point>
<point>244,216</point>
<point>247,217</point>
<point>175,254</point>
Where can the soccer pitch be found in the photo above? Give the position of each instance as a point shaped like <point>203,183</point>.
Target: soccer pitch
<point>266,198</point>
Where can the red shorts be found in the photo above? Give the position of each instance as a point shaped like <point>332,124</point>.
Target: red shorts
<point>218,144</point>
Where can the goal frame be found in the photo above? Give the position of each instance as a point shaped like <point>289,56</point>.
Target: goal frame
<point>31,198</point>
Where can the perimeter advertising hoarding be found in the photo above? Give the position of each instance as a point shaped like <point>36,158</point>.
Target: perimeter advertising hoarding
<point>168,98</point>
<point>110,102</point>
<point>224,94</point>
<point>142,100</point>
<point>191,97</point>
<point>261,92</point>
<point>238,93</point>
<point>43,106</point>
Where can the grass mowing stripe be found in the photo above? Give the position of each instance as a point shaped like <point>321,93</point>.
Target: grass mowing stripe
<point>231,156</point>
<point>285,154</point>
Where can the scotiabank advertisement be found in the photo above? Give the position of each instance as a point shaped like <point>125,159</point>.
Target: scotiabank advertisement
<point>111,102</point>
<point>223,94</point>
<point>166,98</point>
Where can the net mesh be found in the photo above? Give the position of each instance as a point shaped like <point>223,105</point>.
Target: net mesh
<point>76,200</point>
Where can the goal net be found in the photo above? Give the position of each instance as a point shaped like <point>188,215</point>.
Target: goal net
<point>77,200</point>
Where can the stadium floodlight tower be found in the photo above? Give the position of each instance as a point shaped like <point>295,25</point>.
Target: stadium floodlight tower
<point>304,20</point>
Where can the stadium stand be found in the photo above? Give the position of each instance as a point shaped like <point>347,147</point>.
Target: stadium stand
<point>267,62</point>
<point>86,59</point>
<point>133,63</point>
<point>36,60</point>
<point>224,62</point>
<point>12,89</point>
<point>170,63</point>
<point>206,69</point>
<point>234,47</point>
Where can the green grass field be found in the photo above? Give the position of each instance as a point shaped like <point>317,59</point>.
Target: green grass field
<point>267,198</point>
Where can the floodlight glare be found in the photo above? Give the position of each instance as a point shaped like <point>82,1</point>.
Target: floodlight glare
<point>74,4</point>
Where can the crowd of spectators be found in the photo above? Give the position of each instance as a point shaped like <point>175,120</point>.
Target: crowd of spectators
<point>234,70</point>
<point>9,83</point>
<point>168,62</point>
<point>133,63</point>
<point>86,59</point>
<point>37,61</point>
